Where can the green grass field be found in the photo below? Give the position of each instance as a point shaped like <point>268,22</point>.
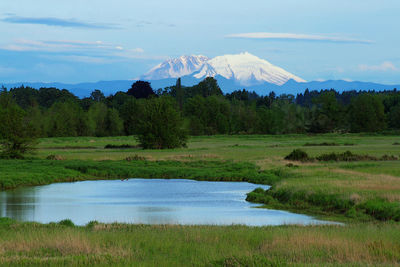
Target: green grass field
<point>364,194</point>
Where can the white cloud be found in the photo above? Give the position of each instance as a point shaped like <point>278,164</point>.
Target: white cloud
<point>385,66</point>
<point>74,50</point>
<point>297,37</point>
<point>60,46</point>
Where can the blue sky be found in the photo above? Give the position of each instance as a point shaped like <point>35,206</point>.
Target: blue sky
<point>80,41</point>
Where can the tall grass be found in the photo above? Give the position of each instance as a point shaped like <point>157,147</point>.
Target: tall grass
<point>174,245</point>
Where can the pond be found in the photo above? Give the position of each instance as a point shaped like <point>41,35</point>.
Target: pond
<point>148,201</point>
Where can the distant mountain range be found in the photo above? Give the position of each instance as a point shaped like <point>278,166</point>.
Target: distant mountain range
<point>233,72</point>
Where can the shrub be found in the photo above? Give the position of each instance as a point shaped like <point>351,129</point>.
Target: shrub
<point>382,210</point>
<point>298,155</point>
<point>66,222</point>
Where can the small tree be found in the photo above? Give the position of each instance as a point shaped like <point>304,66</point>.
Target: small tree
<point>160,125</point>
<point>17,135</point>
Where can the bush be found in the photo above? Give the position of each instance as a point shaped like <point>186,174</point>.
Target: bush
<point>382,210</point>
<point>66,222</point>
<point>298,155</point>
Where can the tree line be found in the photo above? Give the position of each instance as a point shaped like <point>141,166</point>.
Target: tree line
<point>202,109</point>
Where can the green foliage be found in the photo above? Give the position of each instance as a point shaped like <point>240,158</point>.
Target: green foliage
<point>160,125</point>
<point>103,121</point>
<point>376,208</point>
<point>17,136</point>
<point>394,117</point>
<point>328,114</point>
<point>208,115</point>
<point>37,172</point>
<point>66,222</point>
<point>382,210</point>
<point>367,114</point>
<point>66,119</point>
<point>207,111</point>
<point>130,115</point>
<point>208,87</point>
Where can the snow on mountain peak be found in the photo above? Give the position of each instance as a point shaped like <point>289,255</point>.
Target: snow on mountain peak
<point>176,67</point>
<point>244,68</point>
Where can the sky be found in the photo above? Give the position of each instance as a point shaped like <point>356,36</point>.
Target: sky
<point>74,41</point>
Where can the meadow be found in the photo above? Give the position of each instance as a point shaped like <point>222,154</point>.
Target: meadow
<point>363,194</point>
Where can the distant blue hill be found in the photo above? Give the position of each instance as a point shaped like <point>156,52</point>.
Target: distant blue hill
<point>227,86</point>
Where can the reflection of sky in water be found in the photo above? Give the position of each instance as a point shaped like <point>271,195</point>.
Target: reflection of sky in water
<point>150,201</point>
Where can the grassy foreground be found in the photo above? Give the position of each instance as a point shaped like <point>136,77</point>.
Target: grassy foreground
<point>365,194</point>
<point>32,244</point>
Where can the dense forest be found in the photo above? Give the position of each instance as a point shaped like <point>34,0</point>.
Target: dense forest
<point>201,110</point>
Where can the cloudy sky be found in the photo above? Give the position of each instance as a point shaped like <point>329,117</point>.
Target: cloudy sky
<point>90,40</point>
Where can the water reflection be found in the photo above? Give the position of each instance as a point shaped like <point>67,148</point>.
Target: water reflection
<point>150,201</point>
<point>18,204</point>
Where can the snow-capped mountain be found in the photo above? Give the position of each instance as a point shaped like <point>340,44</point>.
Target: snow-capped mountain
<point>246,69</point>
<point>175,68</point>
<point>243,69</point>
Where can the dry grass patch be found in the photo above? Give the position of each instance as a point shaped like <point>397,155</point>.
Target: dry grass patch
<point>380,182</point>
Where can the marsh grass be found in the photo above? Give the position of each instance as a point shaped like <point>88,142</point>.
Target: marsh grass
<point>174,245</point>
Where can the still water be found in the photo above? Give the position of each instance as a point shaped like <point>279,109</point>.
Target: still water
<point>148,201</point>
